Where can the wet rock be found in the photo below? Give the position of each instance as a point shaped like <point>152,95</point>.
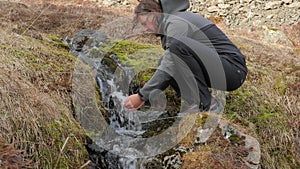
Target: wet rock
<point>152,163</point>
<point>173,161</point>
<point>85,40</point>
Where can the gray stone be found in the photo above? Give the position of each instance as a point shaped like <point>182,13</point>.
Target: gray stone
<point>276,37</point>
<point>224,6</point>
<point>213,9</point>
<point>273,5</point>
<point>294,5</point>
<point>255,153</point>
<point>270,16</point>
<point>287,1</point>
<point>286,10</point>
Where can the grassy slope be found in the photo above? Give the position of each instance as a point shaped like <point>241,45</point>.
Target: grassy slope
<point>35,107</point>
<point>266,105</point>
<point>268,101</point>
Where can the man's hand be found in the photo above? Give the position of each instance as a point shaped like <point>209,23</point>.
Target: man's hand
<point>133,102</point>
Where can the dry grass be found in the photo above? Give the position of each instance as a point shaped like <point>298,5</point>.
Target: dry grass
<point>269,101</point>
<point>12,158</point>
<point>36,112</point>
<point>51,18</point>
<point>218,152</point>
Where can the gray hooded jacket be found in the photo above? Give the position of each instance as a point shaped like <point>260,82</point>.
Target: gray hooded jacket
<point>177,23</point>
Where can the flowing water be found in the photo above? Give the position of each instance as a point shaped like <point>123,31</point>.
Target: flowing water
<point>121,143</point>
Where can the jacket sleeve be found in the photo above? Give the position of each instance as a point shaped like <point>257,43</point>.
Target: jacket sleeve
<point>160,79</point>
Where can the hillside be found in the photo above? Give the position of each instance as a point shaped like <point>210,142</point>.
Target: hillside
<point>37,124</point>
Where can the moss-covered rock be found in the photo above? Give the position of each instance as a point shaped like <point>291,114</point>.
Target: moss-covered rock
<point>139,56</point>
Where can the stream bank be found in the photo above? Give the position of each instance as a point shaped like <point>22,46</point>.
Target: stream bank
<point>120,141</point>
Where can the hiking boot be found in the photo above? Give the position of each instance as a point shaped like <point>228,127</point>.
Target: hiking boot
<point>216,106</point>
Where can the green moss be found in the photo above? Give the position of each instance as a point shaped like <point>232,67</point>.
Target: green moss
<point>158,127</point>
<point>280,85</point>
<point>48,64</point>
<point>95,53</point>
<point>259,102</point>
<point>52,58</point>
<point>125,48</point>
<point>104,112</point>
<point>57,134</point>
<point>201,121</point>
<point>57,42</point>
<point>139,56</point>
<point>110,62</point>
<point>54,38</point>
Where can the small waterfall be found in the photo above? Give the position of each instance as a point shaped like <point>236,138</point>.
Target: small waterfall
<point>113,96</point>
<point>124,143</point>
<point>132,139</point>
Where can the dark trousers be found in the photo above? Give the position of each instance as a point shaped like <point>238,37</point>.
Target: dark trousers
<point>210,70</point>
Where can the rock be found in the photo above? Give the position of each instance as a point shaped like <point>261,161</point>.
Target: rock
<point>220,1</point>
<point>173,161</point>
<point>203,135</point>
<point>85,40</point>
<point>270,16</point>
<point>224,6</point>
<point>125,2</point>
<point>276,37</point>
<point>273,5</point>
<point>254,155</point>
<point>213,9</point>
<point>109,2</point>
<point>235,13</point>
<point>294,5</point>
<point>287,1</point>
<point>252,160</point>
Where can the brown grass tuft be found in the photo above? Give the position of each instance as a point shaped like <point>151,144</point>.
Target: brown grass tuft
<point>12,158</point>
<point>35,107</point>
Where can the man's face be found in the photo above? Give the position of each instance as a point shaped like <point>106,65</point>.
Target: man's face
<point>147,21</point>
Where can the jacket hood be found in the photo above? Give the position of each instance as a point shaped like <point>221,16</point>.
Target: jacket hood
<point>172,6</point>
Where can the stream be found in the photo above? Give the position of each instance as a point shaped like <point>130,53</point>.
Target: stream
<point>118,142</point>
<point>118,138</point>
